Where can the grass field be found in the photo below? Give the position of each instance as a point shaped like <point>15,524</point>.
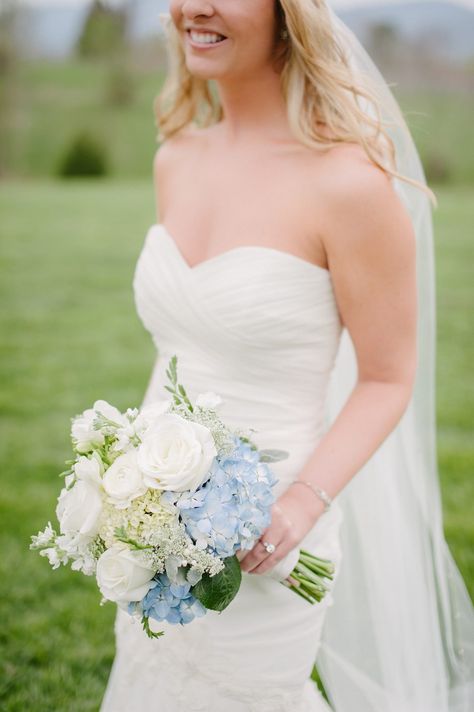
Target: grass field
<point>71,335</point>
<point>54,101</point>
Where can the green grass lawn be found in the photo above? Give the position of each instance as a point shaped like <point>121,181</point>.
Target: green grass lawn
<point>54,101</point>
<point>70,334</point>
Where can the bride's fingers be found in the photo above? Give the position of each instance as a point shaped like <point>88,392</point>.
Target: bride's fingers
<point>267,563</point>
<point>277,531</point>
<point>259,554</point>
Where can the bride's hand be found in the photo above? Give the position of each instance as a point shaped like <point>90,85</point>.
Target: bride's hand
<point>294,513</point>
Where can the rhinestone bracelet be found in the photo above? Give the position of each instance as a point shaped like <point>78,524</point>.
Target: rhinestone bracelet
<point>317,491</point>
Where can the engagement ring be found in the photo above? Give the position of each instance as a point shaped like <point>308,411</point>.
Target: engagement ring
<point>269,547</point>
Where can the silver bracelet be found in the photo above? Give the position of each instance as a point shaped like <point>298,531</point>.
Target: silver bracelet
<point>317,491</point>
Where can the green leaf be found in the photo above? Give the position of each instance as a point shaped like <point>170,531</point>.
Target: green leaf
<point>249,442</point>
<point>216,592</point>
<point>270,455</point>
<point>121,535</point>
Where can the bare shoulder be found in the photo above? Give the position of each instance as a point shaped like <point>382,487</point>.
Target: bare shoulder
<point>172,148</point>
<point>364,213</point>
<point>371,248</point>
<point>354,176</point>
<point>168,160</point>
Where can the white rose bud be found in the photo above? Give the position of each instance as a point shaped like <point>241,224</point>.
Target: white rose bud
<point>118,420</point>
<point>123,481</point>
<point>208,400</point>
<point>176,454</point>
<point>123,575</point>
<point>79,509</point>
<point>89,469</point>
<point>83,434</point>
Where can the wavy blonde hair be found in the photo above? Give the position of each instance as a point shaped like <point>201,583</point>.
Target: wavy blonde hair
<point>317,83</point>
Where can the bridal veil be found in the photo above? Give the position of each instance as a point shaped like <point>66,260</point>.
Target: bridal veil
<point>400,635</point>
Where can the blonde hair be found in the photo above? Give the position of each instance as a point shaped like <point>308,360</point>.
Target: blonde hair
<point>317,83</point>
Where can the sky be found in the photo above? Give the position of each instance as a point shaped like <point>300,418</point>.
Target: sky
<point>359,3</point>
<point>333,3</point>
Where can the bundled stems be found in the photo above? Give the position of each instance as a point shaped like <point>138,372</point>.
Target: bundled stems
<point>308,576</point>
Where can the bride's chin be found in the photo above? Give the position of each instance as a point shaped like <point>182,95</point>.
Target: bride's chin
<point>201,73</point>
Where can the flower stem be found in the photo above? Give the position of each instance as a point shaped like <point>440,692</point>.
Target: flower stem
<point>308,574</point>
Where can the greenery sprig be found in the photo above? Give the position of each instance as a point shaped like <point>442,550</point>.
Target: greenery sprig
<point>121,535</point>
<point>150,633</point>
<point>70,470</point>
<point>177,389</point>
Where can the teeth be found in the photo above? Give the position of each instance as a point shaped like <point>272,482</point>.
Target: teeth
<point>205,37</point>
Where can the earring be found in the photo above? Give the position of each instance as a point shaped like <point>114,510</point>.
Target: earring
<point>284,34</point>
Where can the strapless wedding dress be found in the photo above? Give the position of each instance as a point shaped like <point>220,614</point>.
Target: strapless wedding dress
<point>259,326</point>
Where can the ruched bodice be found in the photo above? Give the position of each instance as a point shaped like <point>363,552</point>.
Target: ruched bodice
<point>260,327</point>
<point>257,325</point>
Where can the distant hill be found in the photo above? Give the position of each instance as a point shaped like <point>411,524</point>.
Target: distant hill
<point>449,25</point>
<point>52,29</point>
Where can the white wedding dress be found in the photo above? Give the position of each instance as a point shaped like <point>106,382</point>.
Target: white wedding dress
<point>259,326</point>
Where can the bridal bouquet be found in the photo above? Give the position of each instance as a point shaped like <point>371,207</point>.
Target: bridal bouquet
<point>157,502</point>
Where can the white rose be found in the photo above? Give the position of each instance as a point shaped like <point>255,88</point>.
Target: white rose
<point>208,400</point>
<point>79,509</point>
<point>83,434</point>
<point>176,454</point>
<point>123,481</point>
<point>123,574</point>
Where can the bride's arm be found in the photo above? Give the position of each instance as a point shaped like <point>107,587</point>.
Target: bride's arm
<point>370,244</point>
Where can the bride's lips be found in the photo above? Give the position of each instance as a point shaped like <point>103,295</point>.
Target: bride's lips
<point>203,46</point>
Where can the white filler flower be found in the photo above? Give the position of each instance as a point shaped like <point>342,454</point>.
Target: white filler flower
<point>209,400</point>
<point>123,574</point>
<point>176,454</point>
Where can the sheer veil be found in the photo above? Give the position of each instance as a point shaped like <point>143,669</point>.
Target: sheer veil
<point>400,635</point>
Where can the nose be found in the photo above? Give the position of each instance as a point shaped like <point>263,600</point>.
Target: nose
<point>194,8</point>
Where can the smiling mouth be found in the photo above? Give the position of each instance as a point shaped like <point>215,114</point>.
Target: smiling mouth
<point>204,39</point>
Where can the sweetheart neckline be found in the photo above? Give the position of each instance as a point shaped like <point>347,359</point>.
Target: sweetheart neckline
<point>238,248</point>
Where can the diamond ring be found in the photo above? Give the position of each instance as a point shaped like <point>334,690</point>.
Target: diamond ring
<point>269,547</point>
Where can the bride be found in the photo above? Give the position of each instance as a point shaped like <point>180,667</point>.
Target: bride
<point>291,271</point>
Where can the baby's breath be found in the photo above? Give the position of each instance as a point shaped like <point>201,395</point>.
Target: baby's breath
<point>150,523</point>
<point>141,520</point>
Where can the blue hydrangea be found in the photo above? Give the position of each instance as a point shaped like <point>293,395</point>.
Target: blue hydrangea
<point>232,508</point>
<point>174,603</point>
